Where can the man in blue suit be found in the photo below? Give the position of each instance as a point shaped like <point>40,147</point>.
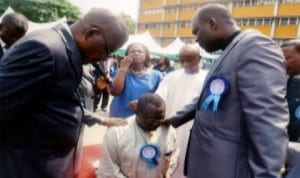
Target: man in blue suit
<point>40,107</point>
<point>13,26</point>
<point>239,129</point>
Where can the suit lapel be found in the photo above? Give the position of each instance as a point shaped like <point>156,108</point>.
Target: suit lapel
<point>74,55</point>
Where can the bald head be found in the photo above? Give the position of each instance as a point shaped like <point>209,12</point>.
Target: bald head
<point>190,49</point>
<point>189,58</point>
<point>213,24</point>
<point>98,33</point>
<point>217,11</point>
<point>111,23</point>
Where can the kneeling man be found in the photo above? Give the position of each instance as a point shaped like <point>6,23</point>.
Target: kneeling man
<point>142,148</point>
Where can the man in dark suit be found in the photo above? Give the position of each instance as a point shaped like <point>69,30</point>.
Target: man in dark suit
<point>40,106</point>
<point>13,26</point>
<point>291,51</point>
<point>239,129</point>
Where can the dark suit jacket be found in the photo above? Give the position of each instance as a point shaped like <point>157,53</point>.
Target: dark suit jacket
<point>293,97</point>
<point>1,52</point>
<point>246,137</point>
<point>40,113</point>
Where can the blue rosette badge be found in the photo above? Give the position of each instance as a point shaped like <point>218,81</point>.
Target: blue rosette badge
<point>150,154</point>
<point>297,112</point>
<point>217,88</point>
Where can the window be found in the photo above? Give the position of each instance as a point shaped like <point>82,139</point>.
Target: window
<point>267,22</point>
<point>184,24</point>
<point>251,22</point>
<point>283,21</point>
<point>254,22</point>
<point>170,10</point>
<point>259,22</point>
<point>287,21</point>
<point>293,20</point>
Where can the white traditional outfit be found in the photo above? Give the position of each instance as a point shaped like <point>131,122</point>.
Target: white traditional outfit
<point>178,89</point>
<point>121,152</point>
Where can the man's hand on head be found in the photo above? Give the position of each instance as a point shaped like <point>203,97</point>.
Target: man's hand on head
<point>165,123</point>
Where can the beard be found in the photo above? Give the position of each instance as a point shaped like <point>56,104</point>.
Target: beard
<point>212,45</point>
<point>191,70</point>
<point>147,128</point>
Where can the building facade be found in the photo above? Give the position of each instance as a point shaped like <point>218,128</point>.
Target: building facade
<point>166,19</point>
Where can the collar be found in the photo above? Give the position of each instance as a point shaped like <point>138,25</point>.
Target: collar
<point>2,43</point>
<point>67,28</point>
<point>229,39</point>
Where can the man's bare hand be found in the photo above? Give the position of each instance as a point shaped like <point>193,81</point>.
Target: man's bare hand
<point>125,63</point>
<point>114,122</point>
<point>165,122</point>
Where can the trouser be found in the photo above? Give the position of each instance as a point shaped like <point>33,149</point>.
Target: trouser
<point>105,98</point>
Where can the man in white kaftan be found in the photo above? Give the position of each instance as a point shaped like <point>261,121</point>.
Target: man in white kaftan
<point>178,89</point>
<point>122,146</point>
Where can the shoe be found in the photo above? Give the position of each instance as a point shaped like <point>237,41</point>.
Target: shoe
<point>104,109</point>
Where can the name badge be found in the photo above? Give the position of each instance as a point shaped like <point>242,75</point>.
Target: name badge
<point>150,154</point>
<point>217,88</point>
<point>297,112</point>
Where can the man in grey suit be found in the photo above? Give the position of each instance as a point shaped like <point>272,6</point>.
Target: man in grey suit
<point>40,107</point>
<point>241,115</point>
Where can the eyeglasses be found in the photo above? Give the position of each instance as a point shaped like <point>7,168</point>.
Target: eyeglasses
<point>106,48</point>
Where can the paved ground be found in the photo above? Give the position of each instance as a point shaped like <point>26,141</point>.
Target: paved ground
<point>94,135</point>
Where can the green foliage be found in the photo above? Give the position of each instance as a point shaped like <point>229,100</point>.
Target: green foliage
<point>129,23</point>
<point>52,10</point>
<point>42,10</point>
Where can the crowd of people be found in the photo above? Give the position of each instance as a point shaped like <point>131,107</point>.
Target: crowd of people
<point>239,119</point>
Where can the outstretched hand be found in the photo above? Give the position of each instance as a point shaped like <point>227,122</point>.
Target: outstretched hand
<point>165,122</point>
<point>114,122</point>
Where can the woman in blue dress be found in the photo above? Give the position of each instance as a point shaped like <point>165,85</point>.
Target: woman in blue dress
<point>134,79</point>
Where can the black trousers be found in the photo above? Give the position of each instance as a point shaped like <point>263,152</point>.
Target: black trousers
<point>105,98</point>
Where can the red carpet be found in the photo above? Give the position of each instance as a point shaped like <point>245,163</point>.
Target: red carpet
<point>90,154</point>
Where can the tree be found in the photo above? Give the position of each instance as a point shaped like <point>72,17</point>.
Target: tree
<point>129,23</point>
<point>42,10</point>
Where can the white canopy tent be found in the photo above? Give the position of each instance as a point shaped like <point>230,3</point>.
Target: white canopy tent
<point>173,50</point>
<point>174,47</point>
<point>146,39</point>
